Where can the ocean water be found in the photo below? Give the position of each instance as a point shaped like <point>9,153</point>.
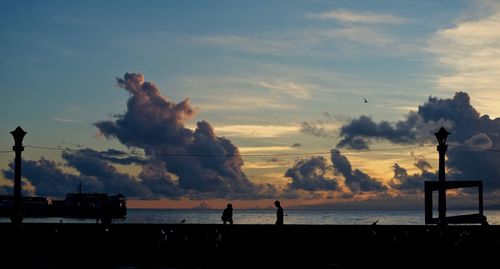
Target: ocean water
<point>267,216</point>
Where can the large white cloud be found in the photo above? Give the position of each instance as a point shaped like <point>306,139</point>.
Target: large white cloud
<point>469,51</point>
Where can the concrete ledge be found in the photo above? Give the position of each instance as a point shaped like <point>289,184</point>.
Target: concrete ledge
<point>246,246</point>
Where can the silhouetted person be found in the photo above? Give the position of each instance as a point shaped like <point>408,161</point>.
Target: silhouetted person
<point>227,214</point>
<point>279,213</point>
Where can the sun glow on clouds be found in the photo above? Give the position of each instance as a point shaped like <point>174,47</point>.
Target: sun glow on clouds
<point>276,178</point>
<point>256,131</point>
<point>264,150</point>
<point>267,90</point>
<point>265,165</point>
<point>380,164</point>
<point>243,103</point>
<point>471,50</point>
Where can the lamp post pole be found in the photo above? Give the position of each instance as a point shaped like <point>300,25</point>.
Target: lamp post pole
<point>441,136</point>
<point>18,148</point>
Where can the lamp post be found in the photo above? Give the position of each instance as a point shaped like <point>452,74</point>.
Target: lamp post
<point>441,136</point>
<point>18,148</point>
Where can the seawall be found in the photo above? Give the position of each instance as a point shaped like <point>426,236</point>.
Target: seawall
<point>56,245</point>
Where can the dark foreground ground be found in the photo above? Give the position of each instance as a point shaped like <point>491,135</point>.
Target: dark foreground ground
<point>247,246</point>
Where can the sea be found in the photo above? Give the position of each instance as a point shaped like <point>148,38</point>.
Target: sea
<point>268,216</point>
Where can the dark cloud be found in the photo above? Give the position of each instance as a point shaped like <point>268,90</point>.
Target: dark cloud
<point>456,115</point>
<point>95,173</point>
<point>423,165</point>
<point>289,193</point>
<point>150,119</point>
<point>114,156</point>
<point>156,125</point>
<point>177,161</point>
<point>274,160</point>
<point>411,183</point>
<point>105,174</point>
<point>296,145</point>
<point>353,143</point>
<point>468,128</point>
<point>279,161</point>
<point>50,180</point>
<point>312,175</point>
<point>347,195</point>
<point>356,180</point>
<point>465,120</point>
<point>160,182</point>
<point>315,129</point>
<point>317,174</point>
<point>355,133</point>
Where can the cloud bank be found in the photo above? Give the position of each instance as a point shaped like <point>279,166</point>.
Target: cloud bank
<point>178,161</point>
<point>174,161</point>
<point>312,174</point>
<point>467,126</point>
<point>316,174</point>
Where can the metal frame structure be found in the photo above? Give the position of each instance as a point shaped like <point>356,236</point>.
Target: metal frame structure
<point>431,186</point>
<point>442,185</point>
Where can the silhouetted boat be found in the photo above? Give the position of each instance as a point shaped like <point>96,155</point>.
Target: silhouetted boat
<point>75,205</point>
<point>90,205</point>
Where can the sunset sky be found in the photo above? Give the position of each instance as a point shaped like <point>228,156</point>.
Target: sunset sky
<point>175,103</point>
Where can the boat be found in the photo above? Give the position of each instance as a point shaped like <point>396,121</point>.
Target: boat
<point>90,206</point>
<point>75,205</point>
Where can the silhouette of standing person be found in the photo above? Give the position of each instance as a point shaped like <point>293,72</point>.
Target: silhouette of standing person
<point>279,213</point>
<point>227,214</point>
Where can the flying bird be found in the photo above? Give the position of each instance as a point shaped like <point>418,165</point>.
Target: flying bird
<point>365,100</point>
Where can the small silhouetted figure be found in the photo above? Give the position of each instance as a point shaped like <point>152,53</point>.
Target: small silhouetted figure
<point>365,100</point>
<point>484,221</point>
<point>227,214</point>
<point>279,213</point>
<point>375,222</point>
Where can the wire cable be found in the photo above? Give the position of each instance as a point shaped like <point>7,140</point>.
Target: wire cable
<point>121,153</point>
<point>222,155</point>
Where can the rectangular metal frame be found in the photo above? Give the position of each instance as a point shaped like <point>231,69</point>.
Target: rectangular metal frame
<point>431,186</point>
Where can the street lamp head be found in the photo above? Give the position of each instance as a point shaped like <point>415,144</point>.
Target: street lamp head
<point>441,136</point>
<point>18,135</point>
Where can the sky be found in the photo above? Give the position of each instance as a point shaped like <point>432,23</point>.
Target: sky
<point>177,103</point>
